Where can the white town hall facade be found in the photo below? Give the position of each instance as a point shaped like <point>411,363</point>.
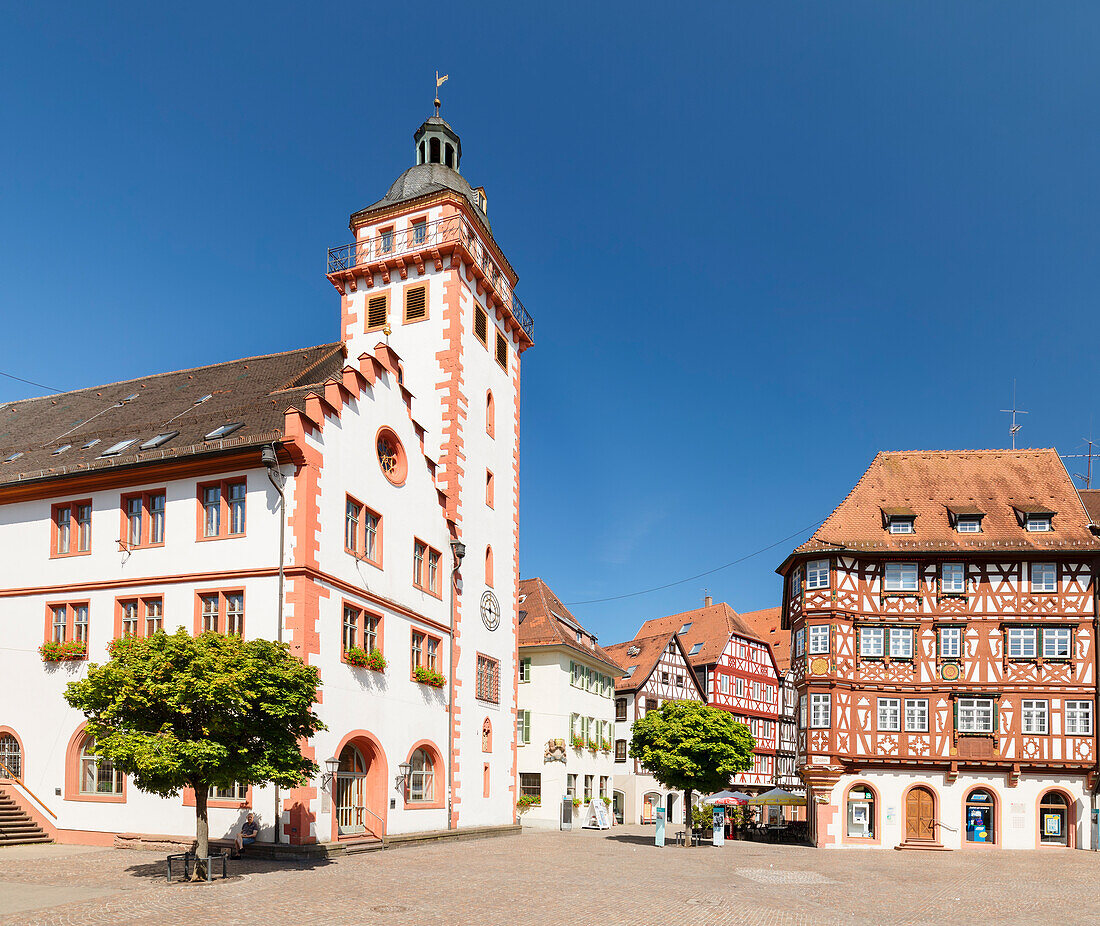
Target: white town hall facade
<point>319,496</point>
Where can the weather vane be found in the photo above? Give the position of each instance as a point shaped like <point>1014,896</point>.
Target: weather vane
<point>439,82</point>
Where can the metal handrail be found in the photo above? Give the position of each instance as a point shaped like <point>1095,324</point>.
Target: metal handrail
<point>359,813</point>
<point>453,229</point>
<point>19,781</point>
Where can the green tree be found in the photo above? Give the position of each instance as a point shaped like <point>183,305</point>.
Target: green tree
<point>175,711</point>
<point>690,746</point>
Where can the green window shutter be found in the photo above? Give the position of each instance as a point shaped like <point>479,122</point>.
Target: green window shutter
<point>955,714</point>
<point>572,673</point>
<point>572,726</point>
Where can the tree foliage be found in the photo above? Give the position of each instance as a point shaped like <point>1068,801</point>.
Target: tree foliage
<point>690,746</point>
<point>175,711</point>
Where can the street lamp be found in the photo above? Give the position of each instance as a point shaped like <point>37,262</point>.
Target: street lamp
<point>403,779</point>
<point>332,766</point>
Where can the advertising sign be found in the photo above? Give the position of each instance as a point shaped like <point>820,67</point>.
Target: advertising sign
<point>1052,824</point>
<point>659,836</point>
<point>719,826</point>
<point>596,818</point>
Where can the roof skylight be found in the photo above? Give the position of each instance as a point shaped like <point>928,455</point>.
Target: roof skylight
<point>159,439</point>
<point>91,443</point>
<point>224,431</point>
<point>11,458</point>
<point>116,449</point>
<point>685,628</point>
<point>695,649</point>
<point>629,671</point>
<point>61,449</point>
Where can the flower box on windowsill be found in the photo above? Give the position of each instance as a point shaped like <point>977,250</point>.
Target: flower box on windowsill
<point>578,742</point>
<point>429,677</point>
<point>63,652</point>
<point>355,656</point>
<point>528,800</point>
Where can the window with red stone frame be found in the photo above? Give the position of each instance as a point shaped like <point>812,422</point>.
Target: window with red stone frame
<point>488,679</point>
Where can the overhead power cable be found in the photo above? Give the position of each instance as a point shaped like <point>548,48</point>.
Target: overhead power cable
<point>31,382</point>
<point>700,575</point>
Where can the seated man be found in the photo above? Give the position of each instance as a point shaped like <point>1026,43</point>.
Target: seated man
<point>249,831</point>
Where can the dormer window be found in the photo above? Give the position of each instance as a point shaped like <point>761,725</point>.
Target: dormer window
<point>969,525</point>
<point>1034,519</point>
<point>1037,523</point>
<point>965,519</point>
<point>898,520</point>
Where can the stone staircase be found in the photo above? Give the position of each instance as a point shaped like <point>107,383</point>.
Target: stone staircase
<point>16,828</point>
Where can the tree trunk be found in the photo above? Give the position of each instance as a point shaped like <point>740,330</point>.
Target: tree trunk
<point>202,832</point>
<point>687,817</point>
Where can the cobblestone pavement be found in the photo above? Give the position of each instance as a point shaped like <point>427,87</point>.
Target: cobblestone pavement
<point>586,877</point>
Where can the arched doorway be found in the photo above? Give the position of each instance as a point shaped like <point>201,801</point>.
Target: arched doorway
<point>1055,820</point>
<point>920,814</point>
<point>650,803</point>
<point>359,788</point>
<point>618,806</point>
<point>671,803</point>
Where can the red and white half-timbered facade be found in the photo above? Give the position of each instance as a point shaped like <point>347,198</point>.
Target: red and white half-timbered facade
<point>943,647</point>
<point>655,670</point>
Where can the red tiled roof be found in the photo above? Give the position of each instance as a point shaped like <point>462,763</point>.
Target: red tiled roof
<point>649,650</point>
<point>1091,498</point>
<point>255,391</point>
<point>545,621</point>
<point>931,482</point>
<point>765,625</point>
<point>710,626</point>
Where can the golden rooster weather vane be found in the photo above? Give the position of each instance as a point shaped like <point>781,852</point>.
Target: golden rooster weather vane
<point>439,81</point>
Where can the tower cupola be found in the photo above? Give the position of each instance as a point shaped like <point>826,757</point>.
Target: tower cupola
<point>437,143</point>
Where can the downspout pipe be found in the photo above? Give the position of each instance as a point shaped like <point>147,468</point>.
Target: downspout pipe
<point>458,552</point>
<point>275,476</point>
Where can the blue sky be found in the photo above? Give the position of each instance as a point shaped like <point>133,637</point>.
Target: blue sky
<point>760,241</point>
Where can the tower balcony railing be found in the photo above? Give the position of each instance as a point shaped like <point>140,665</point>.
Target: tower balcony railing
<point>427,236</point>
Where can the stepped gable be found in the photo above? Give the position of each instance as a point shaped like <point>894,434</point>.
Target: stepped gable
<point>648,653</point>
<point>545,621</point>
<point>254,391</point>
<point>711,625</point>
<point>765,627</point>
<point>931,484</point>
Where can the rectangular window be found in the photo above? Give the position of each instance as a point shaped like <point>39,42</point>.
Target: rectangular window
<point>60,623</point>
<point>950,642</point>
<point>916,715</point>
<point>481,325</point>
<point>350,635</point>
<point>134,509</point>
<point>620,750</point>
<point>901,525</point>
<point>620,710</point>
<point>234,613</point>
<point>352,513</point>
<point>377,312</point>
<point>502,350</point>
<point>210,606</point>
<point>372,534</point>
<point>371,624</point>
<point>71,526</point>
<point>901,577</point>
<point>871,642</point>
<point>154,616</point>
<point>975,715</point>
<point>1038,522</point>
<point>143,518</point>
<point>425,567</point>
<point>571,786</point>
<point>523,727</point>
<point>969,525</point>
<point>238,791</point>
<point>417,651</point>
<point>1021,643</point>
<point>419,231</point>
<point>530,785</point>
<point>800,641</point>
<point>80,623</point>
<point>819,639</point>
<point>221,612</point>
<point>1056,642</point>
<point>385,240</point>
<point>889,714</point>
<point>419,550</point>
<point>488,679</point>
<point>1035,717</point>
<point>155,502</point>
<point>588,787</point>
<point>433,571</point>
<point>129,618</point>
<point>1079,718</point>
<point>416,303</point>
<point>817,574</point>
<point>802,712</point>
<point>223,508</point>
<point>820,710</point>
<point>952,578</point>
<point>901,643</point>
<point>1044,577</point>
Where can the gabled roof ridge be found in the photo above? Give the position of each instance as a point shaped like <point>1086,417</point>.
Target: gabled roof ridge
<point>841,503</point>
<point>1018,450</point>
<point>205,366</point>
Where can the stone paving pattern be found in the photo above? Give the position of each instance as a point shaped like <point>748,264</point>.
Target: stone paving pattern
<point>586,877</point>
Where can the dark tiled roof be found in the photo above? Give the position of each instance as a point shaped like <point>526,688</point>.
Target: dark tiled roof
<point>765,625</point>
<point>649,651</point>
<point>545,621</point>
<point>711,626</point>
<point>931,483</point>
<point>255,391</point>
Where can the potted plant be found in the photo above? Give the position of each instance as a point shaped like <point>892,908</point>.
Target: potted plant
<point>356,656</point>
<point>528,800</point>
<point>63,652</point>
<point>576,803</point>
<point>607,802</point>
<point>605,746</point>
<point>430,677</point>
<point>578,742</point>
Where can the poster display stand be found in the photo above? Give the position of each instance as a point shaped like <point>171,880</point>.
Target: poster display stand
<point>596,817</point>
<point>659,836</point>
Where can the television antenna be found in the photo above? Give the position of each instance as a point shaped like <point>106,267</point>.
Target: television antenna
<point>1015,428</point>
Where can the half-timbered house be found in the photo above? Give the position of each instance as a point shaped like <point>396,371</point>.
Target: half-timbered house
<point>737,672</point>
<point>943,648</point>
<point>655,670</point>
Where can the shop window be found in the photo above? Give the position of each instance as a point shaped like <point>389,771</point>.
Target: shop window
<point>1054,819</point>
<point>861,812</point>
<point>979,817</point>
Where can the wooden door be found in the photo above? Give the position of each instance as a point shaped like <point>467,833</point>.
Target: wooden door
<point>920,818</point>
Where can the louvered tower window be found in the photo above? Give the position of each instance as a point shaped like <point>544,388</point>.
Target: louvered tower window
<point>416,304</point>
<point>502,350</point>
<point>376,312</point>
<point>481,325</point>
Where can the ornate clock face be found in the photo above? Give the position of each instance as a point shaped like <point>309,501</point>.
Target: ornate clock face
<point>490,610</point>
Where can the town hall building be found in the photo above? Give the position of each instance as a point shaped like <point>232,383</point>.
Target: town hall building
<point>357,499</point>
